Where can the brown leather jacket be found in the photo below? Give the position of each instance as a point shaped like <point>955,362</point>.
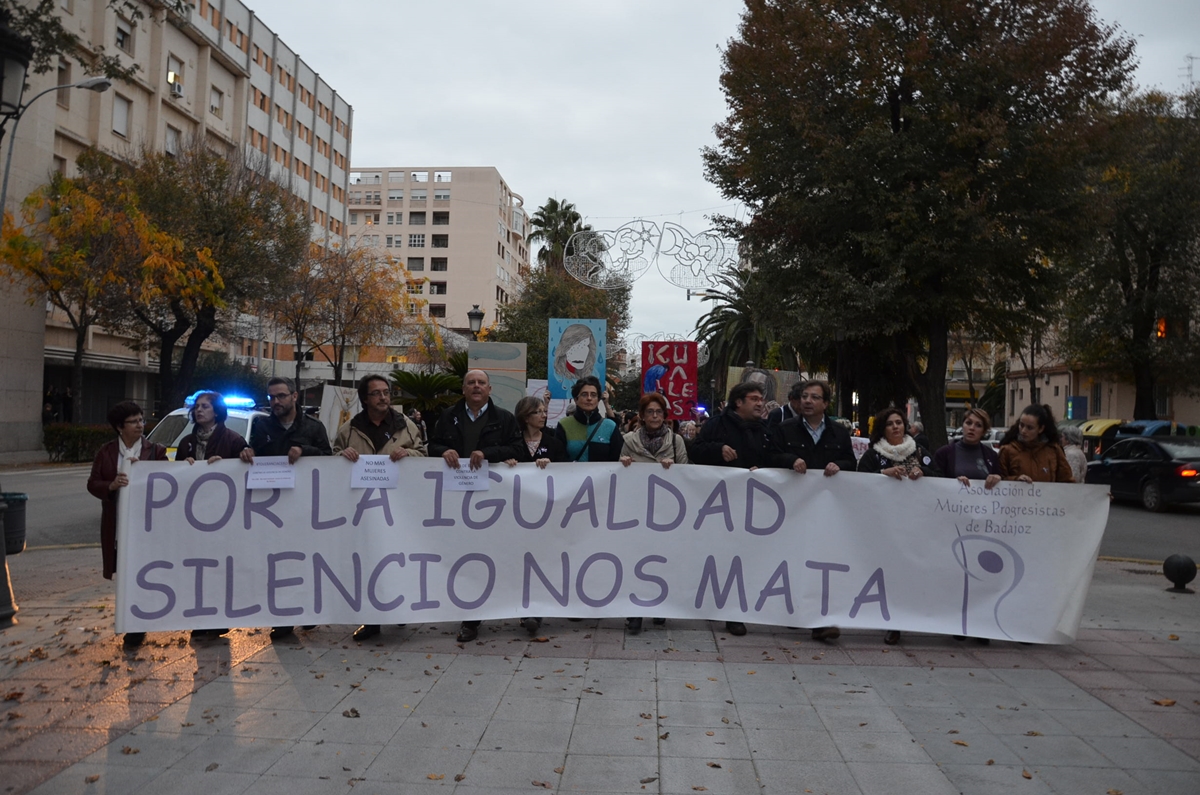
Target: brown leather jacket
<point>1042,461</point>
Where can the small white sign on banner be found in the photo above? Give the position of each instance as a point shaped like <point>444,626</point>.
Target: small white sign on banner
<point>271,472</point>
<point>375,472</point>
<point>464,478</point>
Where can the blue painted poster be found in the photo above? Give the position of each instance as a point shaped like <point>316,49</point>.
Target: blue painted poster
<point>576,349</point>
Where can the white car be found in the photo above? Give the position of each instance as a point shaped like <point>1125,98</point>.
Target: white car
<point>170,431</point>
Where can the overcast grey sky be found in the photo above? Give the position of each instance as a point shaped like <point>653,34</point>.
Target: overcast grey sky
<point>606,104</point>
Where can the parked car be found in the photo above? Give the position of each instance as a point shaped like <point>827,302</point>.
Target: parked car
<point>170,431</point>
<point>1157,471</point>
<point>1155,428</point>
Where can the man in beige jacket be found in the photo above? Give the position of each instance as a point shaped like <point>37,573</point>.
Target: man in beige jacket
<point>378,429</point>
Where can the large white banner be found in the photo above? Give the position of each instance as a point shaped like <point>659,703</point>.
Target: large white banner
<point>197,550</point>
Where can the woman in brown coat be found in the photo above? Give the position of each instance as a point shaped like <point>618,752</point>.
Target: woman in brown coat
<point>1031,451</point>
<point>209,440</point>
<point>110,474</point>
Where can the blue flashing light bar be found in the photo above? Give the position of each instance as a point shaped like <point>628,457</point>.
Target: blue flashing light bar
<point>231,401</point>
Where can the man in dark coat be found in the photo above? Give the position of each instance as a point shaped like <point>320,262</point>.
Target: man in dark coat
<point>289,432</point>
<point>788,410</point>
<point>819,443</point>
<point>737,437</point>
<point>477,429</point>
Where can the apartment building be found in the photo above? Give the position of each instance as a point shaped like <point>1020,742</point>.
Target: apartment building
<point>216,71</point>
<point>460,232</point>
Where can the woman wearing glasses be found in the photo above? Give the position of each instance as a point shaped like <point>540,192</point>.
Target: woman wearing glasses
<point>652,443</point>
<point>110,474</point>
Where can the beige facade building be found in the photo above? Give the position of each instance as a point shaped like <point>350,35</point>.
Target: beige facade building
<point>460,232</point>
<point>217,72</point>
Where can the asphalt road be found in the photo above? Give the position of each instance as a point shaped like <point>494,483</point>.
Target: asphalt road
<point>60,511</point>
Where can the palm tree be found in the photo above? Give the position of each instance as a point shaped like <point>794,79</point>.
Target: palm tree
<point>552,225</point>
<point>731,328</point>
<point>427,392</point>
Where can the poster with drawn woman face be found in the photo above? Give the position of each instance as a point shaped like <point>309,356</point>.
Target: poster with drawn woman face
<point>576,349</point>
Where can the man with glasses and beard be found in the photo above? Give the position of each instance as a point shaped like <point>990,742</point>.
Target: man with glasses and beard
<point>286,432</point>
<point>379,429</point>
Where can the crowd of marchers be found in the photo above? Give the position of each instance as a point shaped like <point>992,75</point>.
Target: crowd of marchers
<point>799,436</point>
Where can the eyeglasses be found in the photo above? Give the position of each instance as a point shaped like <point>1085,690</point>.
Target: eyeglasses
<point>379,393</point>
<point>653,412</point>
<point>135,421</point>
<point>280,396</point>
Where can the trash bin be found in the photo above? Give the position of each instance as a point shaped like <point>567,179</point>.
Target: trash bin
<point>14,522</point>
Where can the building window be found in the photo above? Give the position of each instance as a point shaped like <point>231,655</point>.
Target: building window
<point>417,195</point>
<point>437,288</point>
<point>416,263</point>
<point>441,176</point>
<point>171,141</point>
<point>175,73</point>
<point>437,310</point>
<point>442,195</point>
<point>1097,392</point>
<point>353,219</point>
<point>1162,401</point>
<point>440,241</point>
<point>416,288</point>
<point>64,79</point>
<point>388,242</point>
<point>396,194</point>
<point>120,120</point>
<point>1056,390</point>
<point>416,219</point>
<point>60,166</point>
<point>441,219</point>
<point>67,5</point>
<point>216,102</point>
<point>395,176</point>
<point>420,176</point>
<point>416,241</point>
<point>124,36</point>
<point>438,264</point>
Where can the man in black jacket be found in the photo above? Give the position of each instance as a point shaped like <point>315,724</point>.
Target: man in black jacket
<point>286,432</point>
<point>788,410</point>
<point>737,437</point>
<point>817,442</point>
<point>475,428</point>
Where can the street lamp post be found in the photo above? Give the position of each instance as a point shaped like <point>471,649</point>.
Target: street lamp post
<point>475,319</point>
<point>97,84</point>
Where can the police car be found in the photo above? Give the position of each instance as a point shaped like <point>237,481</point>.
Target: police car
<point>176,425</point>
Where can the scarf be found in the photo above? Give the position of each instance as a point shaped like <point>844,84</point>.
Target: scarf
<point>652,440</point>
<point>202,438</point>
<point>127,455</point>
<point>903,454</point>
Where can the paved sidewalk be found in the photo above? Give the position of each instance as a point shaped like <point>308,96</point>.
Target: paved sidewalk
<point>678,710</point>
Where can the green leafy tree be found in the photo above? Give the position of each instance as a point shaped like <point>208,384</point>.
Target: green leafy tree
<point>1135,290</point>
<point>427,392</point>
<point>553,225</point>
<point>905,162</point>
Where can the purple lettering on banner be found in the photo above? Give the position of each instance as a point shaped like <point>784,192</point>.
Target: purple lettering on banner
<point>317,522</point>
<point>366,502</point>
<point>752,486</point>
<point>152,503</point>
<point>863,597</point>
<point>639,572</point>
<point>146,585</point>
<point>425,558</point>
<point>470,557</point>
<point>200,564</point>
<point>521,520</point>
<point>396,557</point>
<point>483,505</point>
<point>825,568</point>
<point>352,599</point>
<point>720,595</point>
<point>230,610</point>
<point>784,588</point>
<point>262,508</point>
<point>613,524</point>
<point>437,520</point>
<point>584,500</point>
<point>717,502</point>
<point>531,565</point>
<point>273,584</point>
<point>653,484</point>
<point>583,570</point>
<point>230,505</point>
